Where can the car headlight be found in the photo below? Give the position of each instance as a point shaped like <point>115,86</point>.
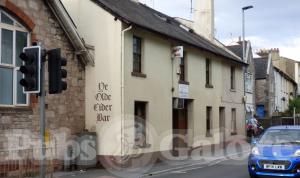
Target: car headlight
<point>255,151</point>
<point>297,153</point>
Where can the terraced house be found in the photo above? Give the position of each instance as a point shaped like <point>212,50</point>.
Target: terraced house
<point>141,98</point>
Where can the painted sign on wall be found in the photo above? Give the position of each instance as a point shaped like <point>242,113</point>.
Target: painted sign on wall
<point>249,82</point>
<point>103,106</point>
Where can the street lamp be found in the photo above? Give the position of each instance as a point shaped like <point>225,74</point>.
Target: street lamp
<point>243,12</point>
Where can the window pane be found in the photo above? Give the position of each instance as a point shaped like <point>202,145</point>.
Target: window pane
<point>6,19</point>
<point>21,97</point>
<point>21,42</point>
<point>136,45</point>
<point>7,47</point>
<point>137,63</point>
<point>6,92</point>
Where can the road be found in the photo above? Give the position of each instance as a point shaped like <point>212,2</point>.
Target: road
<point>234,166</point>
<point>224,169</point>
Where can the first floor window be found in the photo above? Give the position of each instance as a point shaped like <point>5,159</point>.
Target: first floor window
<point>208,121</point>
<point>233,121</point>
<point>137,54</point>
<point>208,72</point>
<point>140,116</point>
<point>182,76</point>
<point>232,78</point>
<point>13,38</point>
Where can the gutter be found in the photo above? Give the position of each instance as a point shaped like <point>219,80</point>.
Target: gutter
<point>81,49</point>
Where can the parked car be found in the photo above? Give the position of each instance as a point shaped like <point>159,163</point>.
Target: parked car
<point>276,153</point>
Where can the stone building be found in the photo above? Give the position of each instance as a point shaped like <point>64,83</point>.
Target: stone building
<point>275,85</point>
<point>264,87</point>
<point>285,90</point>
<point>23,22</point>
<point>286,65</point>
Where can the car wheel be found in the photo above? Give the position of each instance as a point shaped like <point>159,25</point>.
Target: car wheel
<point>252,176</point>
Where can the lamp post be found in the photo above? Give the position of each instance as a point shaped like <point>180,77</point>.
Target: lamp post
<point>244,60</point>
<point>243,12</point>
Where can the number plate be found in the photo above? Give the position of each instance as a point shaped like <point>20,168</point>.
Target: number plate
<point>274,167</point>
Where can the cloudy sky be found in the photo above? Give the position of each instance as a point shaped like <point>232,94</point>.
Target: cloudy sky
<point>270,24</point>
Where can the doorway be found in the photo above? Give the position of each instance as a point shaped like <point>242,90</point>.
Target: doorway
<point>222,127</point>
<point>180,128</point>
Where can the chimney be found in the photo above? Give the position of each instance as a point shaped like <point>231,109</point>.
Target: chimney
<point>275,53</point>
<point>204,18</point>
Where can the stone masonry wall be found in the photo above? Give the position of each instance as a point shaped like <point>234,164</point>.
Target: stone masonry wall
<point>62,111</point>
<point>260,89</point>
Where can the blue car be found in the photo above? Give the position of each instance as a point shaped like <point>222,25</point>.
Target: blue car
<point>276,153</point>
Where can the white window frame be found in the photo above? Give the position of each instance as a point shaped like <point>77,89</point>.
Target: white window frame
<point>15,27</point>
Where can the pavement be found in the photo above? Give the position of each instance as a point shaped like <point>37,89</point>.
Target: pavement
<point>181,167</point>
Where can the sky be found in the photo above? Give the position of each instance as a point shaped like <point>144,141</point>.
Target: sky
<point>270,24</point>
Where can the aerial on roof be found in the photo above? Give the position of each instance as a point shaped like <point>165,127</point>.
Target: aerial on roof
<point>261,65</point>
<point>140,15</point>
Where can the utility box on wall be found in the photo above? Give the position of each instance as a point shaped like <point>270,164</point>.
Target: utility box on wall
<point>87,155</point>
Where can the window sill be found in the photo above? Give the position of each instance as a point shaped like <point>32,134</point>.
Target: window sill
<point>232,90</point>
<point>143,146</point>
<point>184,82</point>
<point>14,109</point>
<point>209,86</point>
<point>138,74</point>
<point>209,135</point>
<point>234,133</point>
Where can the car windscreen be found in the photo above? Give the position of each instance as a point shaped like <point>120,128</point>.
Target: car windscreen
<point>280,137</point>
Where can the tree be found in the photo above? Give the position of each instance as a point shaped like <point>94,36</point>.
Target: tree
<point>294,103</point>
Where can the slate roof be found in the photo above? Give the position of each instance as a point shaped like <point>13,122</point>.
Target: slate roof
<point>236,49</point>
<point>143,16</point>
<point>261,65</point>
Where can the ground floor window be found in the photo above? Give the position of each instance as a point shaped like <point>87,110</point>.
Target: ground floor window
<point>13,38</point>
<point>233,121</point>
<point>208,121</point>
<point>140,117</point>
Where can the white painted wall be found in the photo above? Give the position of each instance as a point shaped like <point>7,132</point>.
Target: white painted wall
<point>99,29</point>
<point>105,34</point>
<point>283,88</point>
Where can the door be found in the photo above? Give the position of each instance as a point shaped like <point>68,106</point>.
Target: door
<point>222,127</point>
<point>180,129</point>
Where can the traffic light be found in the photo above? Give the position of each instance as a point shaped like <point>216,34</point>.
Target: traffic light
<point>31,56</point>
<point>56,73</point>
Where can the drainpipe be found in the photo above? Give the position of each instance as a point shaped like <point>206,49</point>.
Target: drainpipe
<point>122,85</point>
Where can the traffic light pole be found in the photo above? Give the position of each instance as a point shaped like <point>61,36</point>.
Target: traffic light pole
<point>42,117</point>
